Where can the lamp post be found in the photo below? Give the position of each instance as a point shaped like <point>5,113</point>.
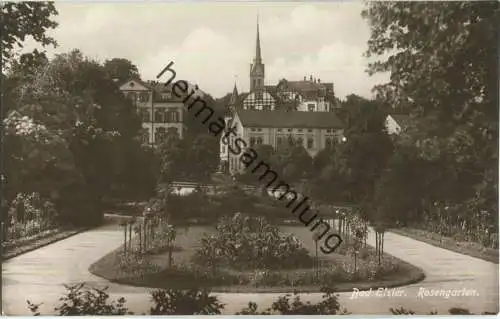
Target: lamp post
<point>153,136</point>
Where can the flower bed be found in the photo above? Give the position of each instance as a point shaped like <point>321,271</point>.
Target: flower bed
<point>188,271</point>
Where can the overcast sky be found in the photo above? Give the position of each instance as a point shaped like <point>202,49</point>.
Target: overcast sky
<point>212,44</point>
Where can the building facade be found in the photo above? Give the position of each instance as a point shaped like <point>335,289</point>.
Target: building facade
<point>312,130</point>
<point>160,110</point>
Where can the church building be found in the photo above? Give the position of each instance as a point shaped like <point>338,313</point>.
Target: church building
<point>299,112</point>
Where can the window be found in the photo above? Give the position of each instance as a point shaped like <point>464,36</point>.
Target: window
<point>160,115</point>
<point>310,131</point>
<point>310,107</point>
<point>279,141</point>
<point>252,129</point>
<point>144,97</point>
<point>132,96</point>
<point>289,130</point>
<point>173,130</point>
<point>173,117</point>
<point>145,115</point>
<point>160,135</point>
<point>279,130</point>
<point>259,130</point>
<point>310,143</point>
<point>166,96</point>
<point>260,140</point>
<point>145,136</point>
<point>299,130</point>
<point>258,96</point>
<point>300,141</point>
<point>328,142</point>
<point>252,141</point>
<point>266,107</point>
<point>328,131</point>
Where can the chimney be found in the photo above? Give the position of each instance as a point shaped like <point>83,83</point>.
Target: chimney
<point>304,78</point>
<point>310,78</point>
<point>319,80</point>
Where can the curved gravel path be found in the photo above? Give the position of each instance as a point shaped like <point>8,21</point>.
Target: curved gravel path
<point>39,275</point>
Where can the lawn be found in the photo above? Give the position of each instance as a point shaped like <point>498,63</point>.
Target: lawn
<point>155,271</point>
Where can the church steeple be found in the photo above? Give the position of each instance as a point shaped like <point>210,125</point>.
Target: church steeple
<point>257,69</point>
<point>258,56</point>
<point>234,96</point>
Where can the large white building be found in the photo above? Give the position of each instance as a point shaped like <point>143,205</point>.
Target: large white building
<point>161,111</point>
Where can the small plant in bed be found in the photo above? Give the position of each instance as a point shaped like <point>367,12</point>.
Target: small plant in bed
<point>242,242</point>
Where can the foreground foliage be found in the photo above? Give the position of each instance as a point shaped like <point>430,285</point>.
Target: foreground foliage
<point>83,300</point>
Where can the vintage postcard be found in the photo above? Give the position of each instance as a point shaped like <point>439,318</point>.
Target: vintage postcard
<point>249,158</point>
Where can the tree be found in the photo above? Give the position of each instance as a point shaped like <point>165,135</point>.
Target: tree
<point>292,161</point>
<point>121,69</point>
<point>452,98</point>
<point>172,158</point>
<point>202,156</point>
<point>74,100</point>
<point>22,19</point>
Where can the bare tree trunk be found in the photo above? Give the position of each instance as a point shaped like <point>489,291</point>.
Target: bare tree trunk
<point>130,238</point>
<point>140,238</point>
<point>125,240</point>
<point>355,259</point>
<point>382,242</point>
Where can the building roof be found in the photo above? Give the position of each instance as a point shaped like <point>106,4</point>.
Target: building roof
<point>293,119</point>
<point>402,119</point>
<point>307,88</point>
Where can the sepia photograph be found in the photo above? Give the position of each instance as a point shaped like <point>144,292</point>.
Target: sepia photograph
<point>249,158</point>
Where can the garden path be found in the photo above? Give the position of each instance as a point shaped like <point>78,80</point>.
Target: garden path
<point>39,275</point>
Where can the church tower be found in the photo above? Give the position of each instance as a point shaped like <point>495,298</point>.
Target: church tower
<point>257,70</point>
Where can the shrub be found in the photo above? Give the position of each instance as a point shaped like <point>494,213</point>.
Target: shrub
<point>285,305</point>
<point>82,300</point>
<point>192,302</point>
<point>133,264</point>
<point>29,214</point>
<point>250,242</point>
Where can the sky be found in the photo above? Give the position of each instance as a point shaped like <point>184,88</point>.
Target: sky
<point>213,43</point>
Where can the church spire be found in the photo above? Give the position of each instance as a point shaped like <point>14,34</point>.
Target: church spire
<point>257,68</point>
<point>234,96</point>
<point>258,56</point>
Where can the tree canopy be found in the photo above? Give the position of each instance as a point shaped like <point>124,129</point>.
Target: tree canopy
<point>25,19</point>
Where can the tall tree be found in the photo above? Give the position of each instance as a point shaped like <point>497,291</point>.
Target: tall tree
<point>202,156</point>
<point>121,69</point>
<point>172,158</point>
<point>23,19</point>
<point>72,97</point>
<point>443,59</point>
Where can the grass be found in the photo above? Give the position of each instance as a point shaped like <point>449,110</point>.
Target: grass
<point>157,274</point>
<point>472,249</point>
